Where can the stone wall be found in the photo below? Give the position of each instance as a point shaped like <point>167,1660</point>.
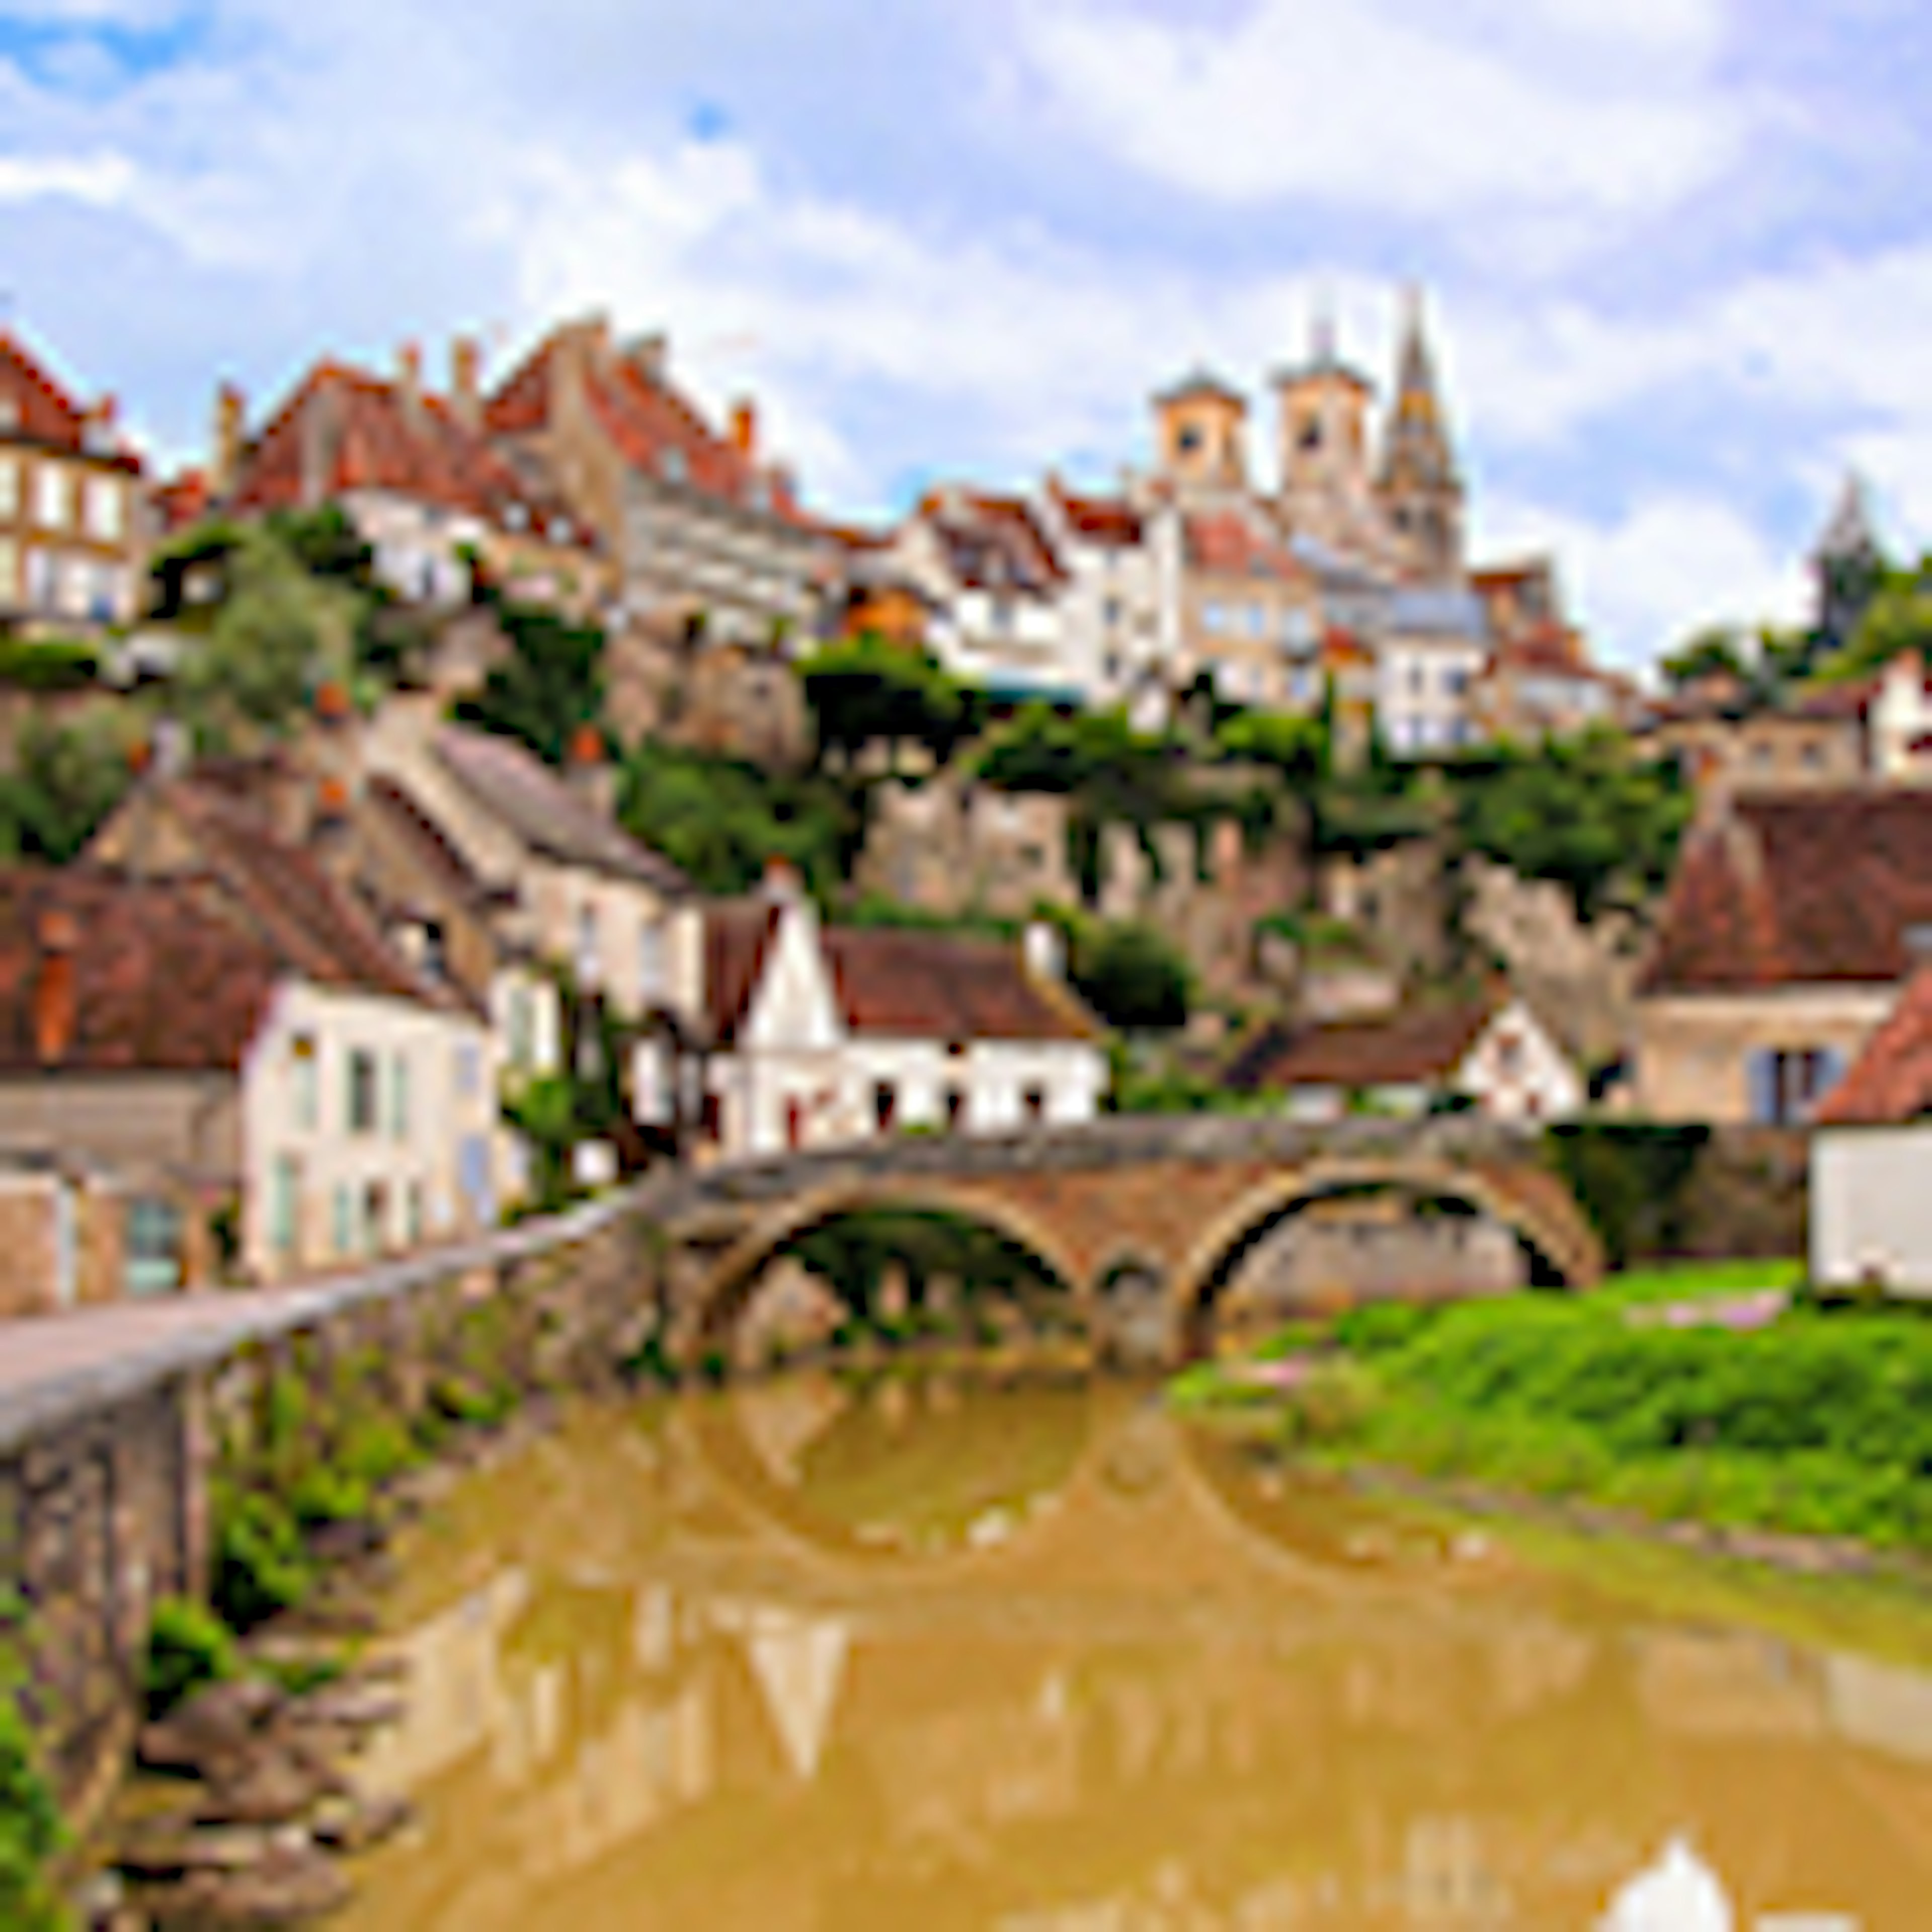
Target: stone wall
<point>106,1471</point>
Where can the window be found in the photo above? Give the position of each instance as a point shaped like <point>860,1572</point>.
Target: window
<point>1110,613</point>
<point>1787,1083</point>
<point>40,580</point>
<point>586,945</point>
<point>375,1217</point>
<point>1033,1103</point>
<point>399,1096</point>
<point>10,570</point>
<point>1214,618</point>
<point>651,962</point>
<point>955,1110</point>
<point>466,1071</point>
<point>284,1204</point>
<point>523,1031</point>
<point>676,467</point>
<point>1257,620</point>
<point>104,509</point>
<point>153,1256</point>
<point>51,496</point>
<point>9,486</point>
<point>885,1105</point>
<point>1310,435</point>
<point>343,1230</point>
<point>1455,680</point>
<point>362,1097</point>
<point>302,1080</point>
<point>1189,440</point>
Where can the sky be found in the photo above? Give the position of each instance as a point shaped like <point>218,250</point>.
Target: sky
<point>1678,253</point>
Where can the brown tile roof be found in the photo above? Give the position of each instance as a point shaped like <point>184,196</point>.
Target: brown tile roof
<point>539,807</point>
<point>928,985</point>
<point>1796,889</point>
<point>646,419</point>
<point>289,901</point>
<point>1111,520</point>
<point>1890,1082</point>
<point>164,978</point>
<point>738,936</point>
<point>42,410</point>
<point>1418,1048</point>
<point>377,439</point>
<point>993,543</point>
<point>398,813</point>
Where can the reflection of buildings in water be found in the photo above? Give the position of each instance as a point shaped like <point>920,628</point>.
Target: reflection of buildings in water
<point>798,1662</point>
<point>1715,1684</point>
<point>780,1420</point>
<point>1880,1706</point>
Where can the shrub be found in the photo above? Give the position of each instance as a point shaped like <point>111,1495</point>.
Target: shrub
<point>188,1646</point>
<point>31,1833</point>
<point>261,1568</point>
<point>56,665</point>
<point>328,1495</point>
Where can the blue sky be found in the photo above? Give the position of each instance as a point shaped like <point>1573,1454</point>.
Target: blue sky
<point>1679,252</point>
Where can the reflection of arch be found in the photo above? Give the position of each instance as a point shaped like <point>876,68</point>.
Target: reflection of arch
<point>1534,1206</point>
<point>729,1283</point>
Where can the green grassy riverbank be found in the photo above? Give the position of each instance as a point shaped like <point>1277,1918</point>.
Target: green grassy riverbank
<point>1718,1396</point>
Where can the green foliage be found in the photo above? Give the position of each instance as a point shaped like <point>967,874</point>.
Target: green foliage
<point>326,543</point>
<point>374,1450</point>
<point>66,781</point>
<point>1716,651</point>
<point>1297,748</point>
<point>1897,619</point>
<point>325,1494</point>
<point>53,664</point>
<point>1632,1180</point>
<point>1582,812</point>
<point>188,1647</point>
<point>722,821</point>
<point>551,684</point>
<point>543,1111</point>
<point>261,1568</point>
<point>31,1831</point>
<point>853,1253</point>
<point>276,633</point>
<point>1132,975</point>
<point>870,691</point>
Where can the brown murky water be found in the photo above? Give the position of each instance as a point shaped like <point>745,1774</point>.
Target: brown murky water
<point>933,1653</point>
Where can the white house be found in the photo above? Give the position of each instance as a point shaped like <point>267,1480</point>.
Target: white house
<point>1496,1057</point>
<point>1871,1157</point>
<point>1436,646</point>
<point>824,1036</point>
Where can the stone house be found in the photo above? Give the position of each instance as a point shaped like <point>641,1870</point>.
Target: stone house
<point>1494,1056</point>
<point>823,1037</point>
<point>422,482</point>
<point>699,523</point>
<point>74,515</point>
<point>1111,606</point>
<point>1790,923</point>
<point>1247,610</point>
<point>1724,745</point>
<point>249,1033</point>
<point>1871,1157</point>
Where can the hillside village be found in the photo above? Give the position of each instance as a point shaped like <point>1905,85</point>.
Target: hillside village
<point>441,801</point>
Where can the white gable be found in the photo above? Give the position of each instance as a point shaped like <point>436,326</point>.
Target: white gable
<point>795,1007</point>
<point>1515,1071</point>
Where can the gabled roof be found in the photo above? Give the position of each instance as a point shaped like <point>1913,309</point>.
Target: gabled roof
<point>1890,1082</point>
<point>1227,544</point>
<point>344,430</point>
<point>1200,383</point>
<point>654,427</point>
<point>41,410</point>
<point>1110,520</point>
<point>931,986</point>
<point>164,978</point>
<point>738,937</point>
<point>1799,888</point>
<point>539,808</point>
<point>1421,1047</point>
<point>993,543</point>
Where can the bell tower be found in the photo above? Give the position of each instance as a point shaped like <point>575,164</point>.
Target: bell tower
<point>1420,488</point>
<point>1201,431</point>
<point>1324,416</point>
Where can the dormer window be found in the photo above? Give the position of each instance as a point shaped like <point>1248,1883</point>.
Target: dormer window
<point>674,466</point>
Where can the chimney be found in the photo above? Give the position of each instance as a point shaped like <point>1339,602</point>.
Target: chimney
<point>1046,953</point>
<point>466,381</point>
<point>589,772</point>
<point>97,427</point>
<point>408,374</point>
<point>224,465</point>
<point>745,428</point>
<point>55,1002</point>
<point>321,443</point>
<point>782,885</point>
<point>649,355</point>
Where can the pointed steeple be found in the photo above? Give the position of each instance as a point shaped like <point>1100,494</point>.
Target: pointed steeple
<point>1848,537</point>
<point>1419,484</point>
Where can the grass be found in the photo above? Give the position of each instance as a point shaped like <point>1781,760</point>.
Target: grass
<point>1816,1423</point>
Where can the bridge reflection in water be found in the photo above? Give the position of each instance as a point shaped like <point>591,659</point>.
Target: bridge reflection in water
<point>928,1653</point>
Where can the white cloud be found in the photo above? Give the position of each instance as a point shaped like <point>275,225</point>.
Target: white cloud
<point>106,180</point>
<point>1369,106</point>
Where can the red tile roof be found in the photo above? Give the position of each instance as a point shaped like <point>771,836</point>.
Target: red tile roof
<point>1229,544</point>
<point>1797,888</point>
<point>738,937</point>
<point>1420,1048</point>
<point>993,543</point>
<point>1111,520</point>
<point>653,428</point>
<point>928,986</point>
<point>1890,1082</point>
<point>164,979</point>
<point>375,437</point>
<point>42,410</point>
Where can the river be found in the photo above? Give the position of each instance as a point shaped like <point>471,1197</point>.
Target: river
<point>933,1652</point>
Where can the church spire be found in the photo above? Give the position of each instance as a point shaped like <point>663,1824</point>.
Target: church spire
<point>1419,483</point>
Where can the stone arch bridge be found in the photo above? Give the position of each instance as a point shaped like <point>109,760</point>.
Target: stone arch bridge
<point>1145,1220</point>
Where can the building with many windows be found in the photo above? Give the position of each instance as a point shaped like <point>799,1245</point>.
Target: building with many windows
<point>72,514</point>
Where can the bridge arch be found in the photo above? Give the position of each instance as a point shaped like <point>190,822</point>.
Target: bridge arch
<point>731,1279</point>
<point>1545,1218</point>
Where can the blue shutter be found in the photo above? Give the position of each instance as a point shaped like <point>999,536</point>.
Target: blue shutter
<point>1762,1068</point>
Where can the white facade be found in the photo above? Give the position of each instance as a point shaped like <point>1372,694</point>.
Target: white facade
<point>369,1126</point>
<point>1871,1206</point>
<point>1517,1073</point>
<point>418,545</point>
<point>800,1075</point>
<point>1900,723</point>
<point>1423,689</point>
<point>1110,612</point>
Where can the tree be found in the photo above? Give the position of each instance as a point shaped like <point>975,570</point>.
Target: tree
<point>1132,976</point>
<point>1716,651</point>
<point>551,683</point>
<point>66,780</point>
<point>1297,748</point>
<point>1897,620</point>
<point>869,691</point>
<point>326,543</point>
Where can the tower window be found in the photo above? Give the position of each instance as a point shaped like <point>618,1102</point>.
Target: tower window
<point>1309,436</point>
<point>1187,439</point>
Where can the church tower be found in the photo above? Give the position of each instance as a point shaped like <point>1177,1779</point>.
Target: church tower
<point>1324,428</point>
<point>1420,489</point>
<point>1200,431</point>
<point>1847,564</point>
